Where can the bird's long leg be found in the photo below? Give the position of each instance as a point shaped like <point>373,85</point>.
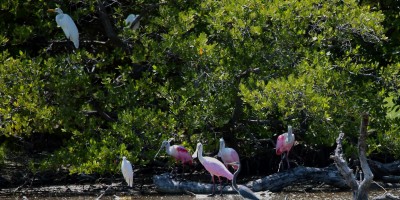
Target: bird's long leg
<point>183,171</point>
<point>220,185</point>
<point>213,191</point>
<point>287,159</point>
<point>280,163</point>
<point>174,172</point>
<point>227,180</point>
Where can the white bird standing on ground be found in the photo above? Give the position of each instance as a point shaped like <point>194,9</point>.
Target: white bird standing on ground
<point>67,25</point>
<point>130,19</point>
<point>127,171</point>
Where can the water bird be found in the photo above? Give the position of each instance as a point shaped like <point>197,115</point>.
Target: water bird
<point>227,155</point>
<point>127,171</point>
<point>178,152</point>
<point>132,21</point>
<point>213,166</point>
<point>284,143</point>
<point>244,191</point>
<point>67,25</point>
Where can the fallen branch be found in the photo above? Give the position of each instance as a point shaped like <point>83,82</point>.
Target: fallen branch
<point>104,192</point>
<point>387,196</point>
<point>391,179</point>
<point>275,182</point>
<point>164,184</point>
<point>384,169</point>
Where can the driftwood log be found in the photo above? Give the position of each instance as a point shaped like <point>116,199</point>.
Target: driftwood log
<point>387,196</point>
<point>165,184</point>
<point>275,182</point>
<point>278,181</point>
<point>382,170</point>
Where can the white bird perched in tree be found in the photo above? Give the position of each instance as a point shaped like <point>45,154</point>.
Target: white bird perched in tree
<point>67,25</point>
<point>129,21</point>
<point>127,171</point>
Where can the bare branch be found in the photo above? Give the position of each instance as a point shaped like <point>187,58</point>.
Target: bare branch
<point>108,27</point>
<point>368,176</point>
<point>342,166</point>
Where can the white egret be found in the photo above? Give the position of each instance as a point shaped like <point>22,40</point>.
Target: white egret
<point>131,19</point>
<point>127,171</point>
<point>67,25</point>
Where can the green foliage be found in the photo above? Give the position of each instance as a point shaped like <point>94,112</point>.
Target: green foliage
<point>3,154</point>
<point>194,71</point>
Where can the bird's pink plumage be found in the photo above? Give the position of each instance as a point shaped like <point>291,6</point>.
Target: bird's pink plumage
<point>180,153</point>
<point>229,155</point>
<point>282,145</point>
<point>215,167</point>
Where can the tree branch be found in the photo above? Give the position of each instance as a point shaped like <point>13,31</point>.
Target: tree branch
<point>342,165</point>
<point>360,191</point>
<point>108,28</point>
<point>368,176</point>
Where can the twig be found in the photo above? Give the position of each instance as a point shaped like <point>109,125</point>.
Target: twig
<point>105,191</point>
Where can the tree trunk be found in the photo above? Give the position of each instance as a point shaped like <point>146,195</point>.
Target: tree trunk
<point>360,190</point>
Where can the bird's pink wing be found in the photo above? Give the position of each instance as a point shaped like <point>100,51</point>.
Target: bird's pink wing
<point>183,155</point>
<point>215,167</point>
<point>280,144</point>
<point>229,156</point>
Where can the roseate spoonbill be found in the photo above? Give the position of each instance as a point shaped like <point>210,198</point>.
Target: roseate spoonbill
<point>228,155</point>
<point>244,191</point>
<point>127,171</point>
<point>67,25</point>
<point>129,21</point>
<point>213,166</point>
<point>284,143</point>
<point>178,152</point>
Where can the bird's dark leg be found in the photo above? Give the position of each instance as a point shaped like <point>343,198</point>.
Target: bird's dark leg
<point>183,171</point>
<point>287,159</point>
<point>280,163</point>
<point>174,171</point>
<point>213,191</point>
<point>220,186</point>
<point>171,174</point>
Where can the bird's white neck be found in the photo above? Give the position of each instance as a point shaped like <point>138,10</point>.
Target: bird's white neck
<point>290,134</point>
<point>167,148</point>
<point>200,153</point>
<point>221,147</point>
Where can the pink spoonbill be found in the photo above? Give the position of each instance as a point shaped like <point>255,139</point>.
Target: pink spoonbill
<point>179,152</point>
<point>284,143</point>
<point>213,166</point>
<point>228,155</point>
